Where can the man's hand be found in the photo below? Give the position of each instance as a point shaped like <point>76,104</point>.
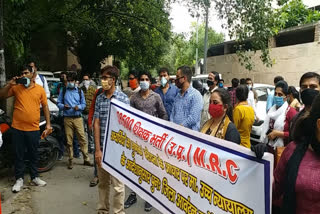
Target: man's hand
<point>47,131</point>
<point>76,108</point>
<point>98,157</point>
<point>66,106</point>
<point>13,82</point>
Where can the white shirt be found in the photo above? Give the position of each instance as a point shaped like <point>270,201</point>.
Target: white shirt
<point>44,84</point>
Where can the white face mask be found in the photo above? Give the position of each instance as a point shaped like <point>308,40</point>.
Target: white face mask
<point>144,85</point>
<point>86,83</point>
<point>163,81</point>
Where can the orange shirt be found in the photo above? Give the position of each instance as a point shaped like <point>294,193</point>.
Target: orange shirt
<point>26,114</point>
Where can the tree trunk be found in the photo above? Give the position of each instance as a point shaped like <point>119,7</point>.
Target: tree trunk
<point>2,62</point>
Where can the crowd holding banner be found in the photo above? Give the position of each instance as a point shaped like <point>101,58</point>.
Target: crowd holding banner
<point>183,171</point>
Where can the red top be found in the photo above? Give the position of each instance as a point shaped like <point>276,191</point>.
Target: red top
<point>91,110</point>
<point>290,114</point>
<point>307,183</point>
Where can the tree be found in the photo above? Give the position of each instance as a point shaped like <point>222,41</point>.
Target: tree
<point>182,51</point>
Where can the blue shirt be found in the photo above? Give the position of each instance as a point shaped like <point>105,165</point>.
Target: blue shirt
<point>102,108</point>
<point>186,110</point>
<point>168,98</point>
<point>72,99</point>
<point>270,101</point>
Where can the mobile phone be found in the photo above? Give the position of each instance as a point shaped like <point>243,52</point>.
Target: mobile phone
<point>21,81</point>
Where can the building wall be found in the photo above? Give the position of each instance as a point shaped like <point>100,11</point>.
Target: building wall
<point>290,62</point>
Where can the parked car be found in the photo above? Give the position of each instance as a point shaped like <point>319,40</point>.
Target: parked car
<point>46,74</point>
<point>262,90</point>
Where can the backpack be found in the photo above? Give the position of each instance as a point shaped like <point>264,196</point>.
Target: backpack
<point>64,93</point>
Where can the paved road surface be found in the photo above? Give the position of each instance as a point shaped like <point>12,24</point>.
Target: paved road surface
<point>67,192</point>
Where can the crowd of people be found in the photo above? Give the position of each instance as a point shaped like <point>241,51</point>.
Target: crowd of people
<point>225,113</point>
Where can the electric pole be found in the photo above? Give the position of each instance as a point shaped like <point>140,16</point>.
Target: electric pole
<point>206,42</point>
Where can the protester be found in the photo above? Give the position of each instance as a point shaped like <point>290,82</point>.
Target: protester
<point>232,91</point>
<point>309,89</point>
<point>25,123</point>
<point>109,76</point>
<point>252,97</point>
<point>221,83</point>
<point>243,115</point>
<point>188,103</point>
<point>167,91</point>
<point>72,102</point>
<point>149,102</point>
<point>133,84</point>
<point>293,98</point>
<point>243,81</point>
<point>89,88</point>
<point>40,80</point>
<point>270,100</point>
<point>212,81</point>
<point>296,186</point>
<point>275,129</point>
<point>220,125</point>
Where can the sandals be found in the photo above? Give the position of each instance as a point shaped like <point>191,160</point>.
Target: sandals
<point>94,182</point>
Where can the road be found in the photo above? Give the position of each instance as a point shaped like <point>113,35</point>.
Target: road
<point>67,191</point>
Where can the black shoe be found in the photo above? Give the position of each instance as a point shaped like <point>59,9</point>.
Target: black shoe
<point>147,207</point>
<point>132,199</point>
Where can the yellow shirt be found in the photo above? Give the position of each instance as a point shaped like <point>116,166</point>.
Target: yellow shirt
<point>243,116</point>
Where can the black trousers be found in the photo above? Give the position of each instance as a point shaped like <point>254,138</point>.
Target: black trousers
<point>25,143</point>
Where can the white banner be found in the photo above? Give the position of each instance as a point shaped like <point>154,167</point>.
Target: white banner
<point>179,170</point>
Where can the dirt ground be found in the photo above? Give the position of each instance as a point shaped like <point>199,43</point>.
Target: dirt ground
<point>67,191</point>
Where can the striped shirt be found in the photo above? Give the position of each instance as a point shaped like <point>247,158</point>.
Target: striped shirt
<point>102,108</point>
<point>187,109</point>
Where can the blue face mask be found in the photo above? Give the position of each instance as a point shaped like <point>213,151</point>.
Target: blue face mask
<point>163,81</point>
<point>28,82</point>
<point>220,85</point>
<point>71,85</point>
<point>278,101</point>
<point>144,85</point>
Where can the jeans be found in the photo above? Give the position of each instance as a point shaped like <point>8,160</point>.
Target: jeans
<point>25,143</point>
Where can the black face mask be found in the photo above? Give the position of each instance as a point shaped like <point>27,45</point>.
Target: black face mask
<point>61,79</point>
<point>308,95</point>
<point>210,83</point>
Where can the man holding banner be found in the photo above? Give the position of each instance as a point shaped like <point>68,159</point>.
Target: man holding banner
<point>109,76</point>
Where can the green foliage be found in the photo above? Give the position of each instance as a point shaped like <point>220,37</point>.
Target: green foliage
<point>294,13</point>
<point>182,51</point>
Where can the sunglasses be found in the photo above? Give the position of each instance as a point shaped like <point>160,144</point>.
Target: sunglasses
<point>147,79</point>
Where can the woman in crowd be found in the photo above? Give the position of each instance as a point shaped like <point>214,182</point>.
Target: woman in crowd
<point>293,98</point>
<point>220,125</point>
<point>296,186</point>
<point>243,115</point>
<point>275,129</point>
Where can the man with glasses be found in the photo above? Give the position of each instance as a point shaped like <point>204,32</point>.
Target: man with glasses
<point>187,107</point>
<point>109,76</point>
<point>149,102</point>
<point>72,101</point>
<point>25,123</point>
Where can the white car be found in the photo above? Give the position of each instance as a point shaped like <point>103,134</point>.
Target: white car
<point>262,90</point>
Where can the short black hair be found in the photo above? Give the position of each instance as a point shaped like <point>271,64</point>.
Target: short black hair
<point>277,79</point>
<point>143,72</point>
<point>86,74</point>
<point>243,81</point>
<point>216,75</point>
<point>242,92</point>
<point>283,85</point>
<point>111,70</point>
<point>309,75</point>
<point>186,71</point>
<point>163,70</point>
<point>235,82</point>
<point>72,76</point>
<point>26,67</point>
<point>134,72</point>
<point>248,79</point>
<point>63,72</point>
